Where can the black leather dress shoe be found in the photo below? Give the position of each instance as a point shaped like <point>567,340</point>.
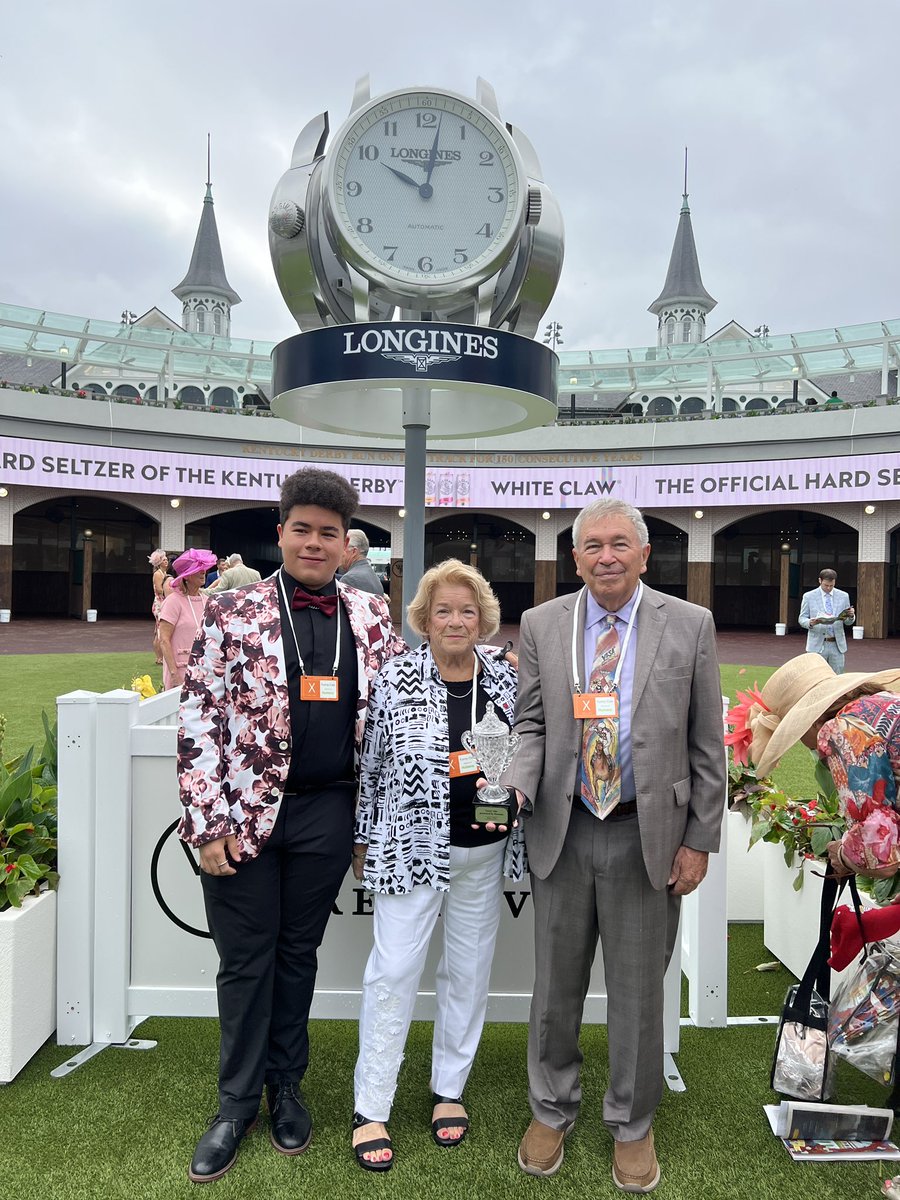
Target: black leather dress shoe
<point>217,1149</point>
<point>291,1123</point>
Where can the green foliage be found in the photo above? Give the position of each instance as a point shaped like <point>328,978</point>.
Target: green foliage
<point>28,822</point>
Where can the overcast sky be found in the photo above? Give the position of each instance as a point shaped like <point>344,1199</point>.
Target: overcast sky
<point>789,111</point>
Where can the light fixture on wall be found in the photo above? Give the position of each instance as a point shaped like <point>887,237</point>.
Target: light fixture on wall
<point>4,491</point>
<point>176,503</point>
<point>869,509</point>
<point>401,512</point>
<point>545,515</point>
<point>698,513</point>
<point>785,547</point>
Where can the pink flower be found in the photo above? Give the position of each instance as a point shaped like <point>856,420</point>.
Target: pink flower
<point>874,842</point>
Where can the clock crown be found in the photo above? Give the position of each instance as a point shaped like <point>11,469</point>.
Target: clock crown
<point>533,206</point>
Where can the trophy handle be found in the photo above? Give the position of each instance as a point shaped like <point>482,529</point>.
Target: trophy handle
<point>468,741</point>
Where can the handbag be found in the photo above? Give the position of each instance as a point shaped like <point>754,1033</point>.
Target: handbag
<point>803,1066</point>
<point>864,1018</point>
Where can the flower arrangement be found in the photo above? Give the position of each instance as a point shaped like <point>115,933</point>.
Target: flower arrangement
<point>28,842</point>
<point>803,827</point>
<point>143,685</point>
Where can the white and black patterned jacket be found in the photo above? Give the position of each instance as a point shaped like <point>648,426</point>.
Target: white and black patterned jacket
<point>404,788</point>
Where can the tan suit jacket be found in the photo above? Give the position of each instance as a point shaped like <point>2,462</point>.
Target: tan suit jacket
<point>677,745</point>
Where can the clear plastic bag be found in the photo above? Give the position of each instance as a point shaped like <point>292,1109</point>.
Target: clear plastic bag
<point>803,1067</point>
<point>862,1023</point>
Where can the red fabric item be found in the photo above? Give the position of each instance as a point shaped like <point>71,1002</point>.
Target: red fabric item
<point>846,937</point>
<point>303,599</point>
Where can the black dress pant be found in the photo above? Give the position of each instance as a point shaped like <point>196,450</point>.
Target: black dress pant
<point>267,922</point>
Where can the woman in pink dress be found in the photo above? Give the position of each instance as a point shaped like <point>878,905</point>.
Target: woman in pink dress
<point>159,561</point>
<point>181,614</point>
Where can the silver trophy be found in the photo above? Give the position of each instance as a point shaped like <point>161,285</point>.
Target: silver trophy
<point>493,746</point>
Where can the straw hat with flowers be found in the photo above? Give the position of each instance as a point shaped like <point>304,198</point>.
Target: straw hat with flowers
<point>764,725</point>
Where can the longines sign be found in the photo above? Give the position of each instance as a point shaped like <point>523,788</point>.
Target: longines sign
<point>447,354</point>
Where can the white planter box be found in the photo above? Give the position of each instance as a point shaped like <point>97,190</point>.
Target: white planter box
<point>27,981</point>
<point>745,870</point>
<point>790,919</point>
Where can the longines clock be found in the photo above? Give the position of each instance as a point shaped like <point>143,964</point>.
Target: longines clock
<point>424,203</point>
<point>425,192</point>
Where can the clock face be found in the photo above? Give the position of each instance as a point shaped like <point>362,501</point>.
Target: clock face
<point>425,190</point>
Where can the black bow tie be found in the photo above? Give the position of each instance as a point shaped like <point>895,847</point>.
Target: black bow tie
<point>304,599</point>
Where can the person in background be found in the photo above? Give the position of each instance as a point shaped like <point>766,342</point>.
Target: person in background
<point>234,575</point>
<point>159,561</point>
<point>214,574</point>
<point>823,613</point>
<point>181,614</point>
<point>356,568</point>
<point>620,714</point>
<point>418,851</point>
<point>271,721</point>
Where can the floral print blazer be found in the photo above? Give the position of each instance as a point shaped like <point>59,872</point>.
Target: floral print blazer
<point>234,731</point>
<point>404,786</point>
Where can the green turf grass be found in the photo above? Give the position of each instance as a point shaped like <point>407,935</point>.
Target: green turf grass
<point>125,1124</point>
<point>31,682</point>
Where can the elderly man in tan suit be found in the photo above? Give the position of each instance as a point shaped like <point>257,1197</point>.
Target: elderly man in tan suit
<point>623,808</point>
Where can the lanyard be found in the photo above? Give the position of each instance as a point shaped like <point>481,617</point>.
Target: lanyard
<point>193,611</point>
<point>474,690</point>
<point>337,638</point>
<point>628,632</point>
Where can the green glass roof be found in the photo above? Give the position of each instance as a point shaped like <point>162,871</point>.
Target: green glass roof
<point>747,360</point>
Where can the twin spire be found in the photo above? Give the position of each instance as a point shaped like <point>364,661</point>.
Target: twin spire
<point>206,280</point>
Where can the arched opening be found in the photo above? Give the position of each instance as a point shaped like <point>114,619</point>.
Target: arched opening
<point>757,404</point>
<point>660,406</point>
<point>748,560</point>
<point>222,397</point>
<point>191,395</point>
<point>502,551</point>
<point>693,404</point>
<point>729,404</point>
<point>48,556</point>
<point>127,392</point>
<point>153,392</point>
<point>666,567</point>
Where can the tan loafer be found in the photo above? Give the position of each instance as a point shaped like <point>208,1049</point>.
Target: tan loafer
<point>541,1149</point>
<point>635,1168</point>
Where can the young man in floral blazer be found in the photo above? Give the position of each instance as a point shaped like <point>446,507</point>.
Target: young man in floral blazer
<point>272,714</point>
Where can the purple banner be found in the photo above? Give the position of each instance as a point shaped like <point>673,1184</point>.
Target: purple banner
<point>814,480</point>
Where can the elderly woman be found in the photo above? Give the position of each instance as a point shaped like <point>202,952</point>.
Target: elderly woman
<point>181,614</point>
<point>853,722</point>
<point>418,850</point>
<point>159,561</point>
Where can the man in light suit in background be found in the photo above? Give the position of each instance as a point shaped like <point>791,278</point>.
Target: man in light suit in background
<point>355,566</point>
<point>818,615</point>
<point>612,851</point>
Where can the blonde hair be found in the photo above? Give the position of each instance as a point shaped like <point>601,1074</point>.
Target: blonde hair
<point>454,573</point>
<point>157,558</point>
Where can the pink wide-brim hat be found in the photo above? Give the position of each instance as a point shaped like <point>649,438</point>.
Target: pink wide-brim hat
<point>192,562</point>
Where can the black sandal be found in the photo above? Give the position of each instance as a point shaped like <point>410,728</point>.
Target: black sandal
<point>361,1148</point>
<point>440,1123</point>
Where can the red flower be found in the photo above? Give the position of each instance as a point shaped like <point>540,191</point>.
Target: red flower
<point>741,735</point>
<point>10,867</point>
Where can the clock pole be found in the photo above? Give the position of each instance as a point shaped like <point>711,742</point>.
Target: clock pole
<point>416,423</point>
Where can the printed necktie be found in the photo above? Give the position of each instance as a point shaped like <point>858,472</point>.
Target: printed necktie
<point>601,787</point>
<point>829,604</point>
<point>304,599</point>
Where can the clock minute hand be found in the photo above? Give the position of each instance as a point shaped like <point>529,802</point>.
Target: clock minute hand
<point>426,190</point>
<point>400,175</point>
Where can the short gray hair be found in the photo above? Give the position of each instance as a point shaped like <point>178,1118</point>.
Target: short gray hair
<point>358,541</point>
<point>599,510</point>
<point>234,559</point>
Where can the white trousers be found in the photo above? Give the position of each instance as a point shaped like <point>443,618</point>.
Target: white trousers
<point>403,928</point>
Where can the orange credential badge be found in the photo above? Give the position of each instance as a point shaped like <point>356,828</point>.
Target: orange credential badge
<point>588,705</point>
<point>462,762</point>
<point>318,687</point>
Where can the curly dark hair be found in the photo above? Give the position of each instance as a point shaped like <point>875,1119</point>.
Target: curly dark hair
<point>325,489</point>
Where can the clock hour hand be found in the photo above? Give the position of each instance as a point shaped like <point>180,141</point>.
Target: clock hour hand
<point>400,175</point>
